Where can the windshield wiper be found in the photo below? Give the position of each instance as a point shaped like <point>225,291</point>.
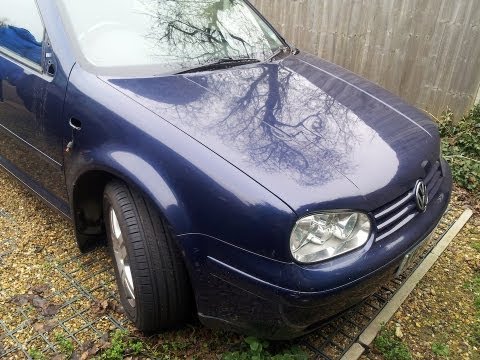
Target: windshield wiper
<point>223,63</point>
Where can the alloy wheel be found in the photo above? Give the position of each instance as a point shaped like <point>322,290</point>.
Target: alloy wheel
<point>121,258</point>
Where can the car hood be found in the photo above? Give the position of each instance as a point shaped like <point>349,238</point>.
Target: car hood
<point>312,133</point>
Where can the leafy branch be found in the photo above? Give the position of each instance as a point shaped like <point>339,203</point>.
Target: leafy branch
<point>461,147</point>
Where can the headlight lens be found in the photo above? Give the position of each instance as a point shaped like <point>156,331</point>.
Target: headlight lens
<point>325,235</point>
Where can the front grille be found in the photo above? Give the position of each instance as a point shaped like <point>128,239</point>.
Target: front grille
<point>397,213</point>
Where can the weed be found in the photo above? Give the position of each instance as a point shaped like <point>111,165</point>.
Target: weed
<point>136,347</point>
<point>65,345</point>
<point>36,354</point>
<point>476,246</point>
<point>255,349</point>
<point>475,336</point>
<point>169,346</point>
<point>121,346</point>
<point>440,350</point>
<point>474,287</point>
<point>391,347</point>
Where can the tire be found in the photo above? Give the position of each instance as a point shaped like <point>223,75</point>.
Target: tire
<point>152,279</point>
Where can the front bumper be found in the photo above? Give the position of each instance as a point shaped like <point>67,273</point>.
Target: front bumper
<point>241,291</point>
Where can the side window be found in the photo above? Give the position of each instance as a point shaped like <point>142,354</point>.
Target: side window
<point>21,30</point>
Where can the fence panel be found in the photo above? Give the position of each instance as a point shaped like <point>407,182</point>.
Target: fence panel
<point>428,51</point>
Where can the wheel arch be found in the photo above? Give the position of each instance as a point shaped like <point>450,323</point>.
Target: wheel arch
<point>86,194</point>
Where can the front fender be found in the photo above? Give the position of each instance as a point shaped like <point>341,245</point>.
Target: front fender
<point>196,190</point>
<point>134,171</point>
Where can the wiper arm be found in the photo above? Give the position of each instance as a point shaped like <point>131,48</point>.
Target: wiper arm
<point>223,63</point>
<point>282,50</point>
<point>236,60</point>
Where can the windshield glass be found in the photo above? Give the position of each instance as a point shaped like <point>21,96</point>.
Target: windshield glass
<point>167,36</point>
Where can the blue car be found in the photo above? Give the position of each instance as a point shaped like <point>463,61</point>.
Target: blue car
<point>231,175</point>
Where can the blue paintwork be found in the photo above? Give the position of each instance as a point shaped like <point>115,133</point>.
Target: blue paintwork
<point>232,159</point>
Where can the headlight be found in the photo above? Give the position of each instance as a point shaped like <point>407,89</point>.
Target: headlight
<point>325,235</point>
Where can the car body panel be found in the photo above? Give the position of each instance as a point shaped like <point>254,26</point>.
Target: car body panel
<point>32,127</point>
<point>31,137</point>
<point>196,190</point>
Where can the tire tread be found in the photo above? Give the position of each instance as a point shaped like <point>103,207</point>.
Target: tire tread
<point>164,300</point>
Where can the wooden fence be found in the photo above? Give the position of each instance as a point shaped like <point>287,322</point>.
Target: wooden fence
<point>426,51</point>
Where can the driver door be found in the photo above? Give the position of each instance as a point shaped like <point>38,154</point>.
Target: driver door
<point>31,102</point>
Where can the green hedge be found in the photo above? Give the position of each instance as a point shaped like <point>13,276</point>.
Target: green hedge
<point>461,148</point>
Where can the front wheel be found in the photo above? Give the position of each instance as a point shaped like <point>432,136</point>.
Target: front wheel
<point>151,276</point>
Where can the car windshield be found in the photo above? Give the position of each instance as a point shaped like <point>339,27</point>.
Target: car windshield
<point>166,36</point>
